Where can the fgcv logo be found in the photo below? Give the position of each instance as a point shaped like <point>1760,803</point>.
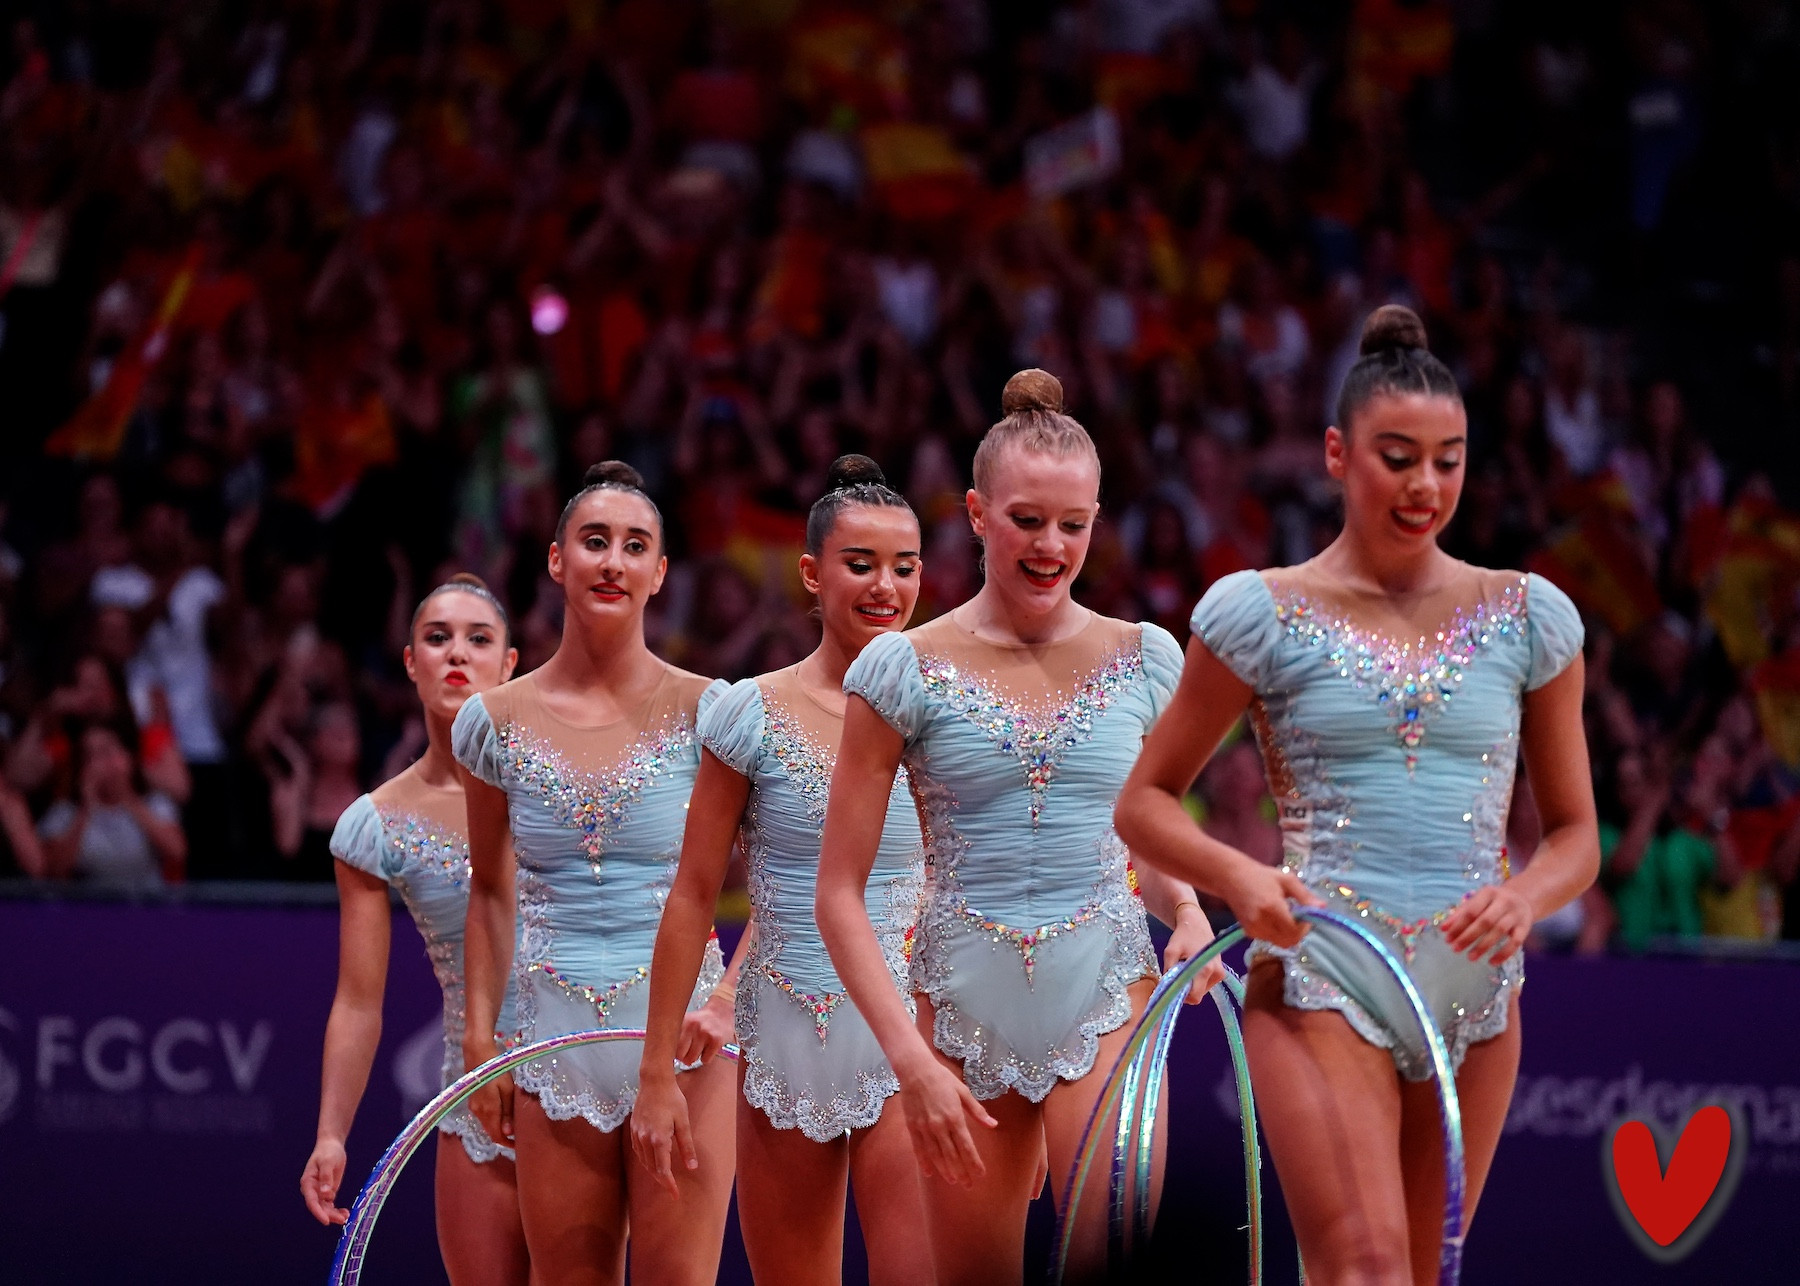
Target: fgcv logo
<point>117,1053</point>
<point>118,1074</point>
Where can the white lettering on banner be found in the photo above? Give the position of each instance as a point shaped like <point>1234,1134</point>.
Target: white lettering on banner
<point>112,1053</point>
<point>246,1059</point>
<point>130,1072</point>
<point>120,1075</point>
<point>183,1031</point>
<point>1581,1107</point>
<point>55,1047</point>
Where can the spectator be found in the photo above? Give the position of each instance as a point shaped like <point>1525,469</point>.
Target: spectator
<point>300,291</point>
<point>311,784</point>
<point>1275,96</point>
<point>113,834</point>
<point>1654,867</point>
<point>95,694</point>
<point>1572,405</point>
<point>1268,332</point>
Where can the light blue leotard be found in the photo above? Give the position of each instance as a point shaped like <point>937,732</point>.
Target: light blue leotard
<point>410,834</point>
<point>1392,768</point>
<point>597,817</point>
<point>810,1060</point>
<point>1031,932</point>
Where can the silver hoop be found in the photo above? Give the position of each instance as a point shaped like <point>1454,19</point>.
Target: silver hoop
<point>1141,1063</point>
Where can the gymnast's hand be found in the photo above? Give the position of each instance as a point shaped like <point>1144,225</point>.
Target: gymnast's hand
<point>706,1030</point>
<point>1192,935</point>
<point>660,1129</point>
<point>938,1109</point>
<point>492,1104</point>
<point>1495,918</point>
<point>1259,897</point>
<point>319,1181</point>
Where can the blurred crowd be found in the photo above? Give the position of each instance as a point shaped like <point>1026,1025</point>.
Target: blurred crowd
<point>305,304</point>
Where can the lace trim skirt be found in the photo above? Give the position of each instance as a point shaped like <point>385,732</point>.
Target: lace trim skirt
<point>1469,1001</point>
<point>461,1122</point>
<point>598,1083</point>
<point>1022,1020</point>
<point>821,1073</point>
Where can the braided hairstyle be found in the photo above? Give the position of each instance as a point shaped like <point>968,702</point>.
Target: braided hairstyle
<point>1032,406</point>
<point>1395,362</point>
<point>466,583</point>
<point>851,480</point>
<point>609,475</point>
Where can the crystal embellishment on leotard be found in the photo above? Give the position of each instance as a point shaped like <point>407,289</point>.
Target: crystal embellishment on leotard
<point>991,1065</point>
<point>601,998</point>
<point>1411,681</point>
<point>819,1006</point>
<point>1485,862</point>
<point>536,938</point>
<point>594,803</point>
<point>426,859</point>
<point>1028,940</point>
<point>415,840</point>
<point>1038,738</point>
<point>1407,931</point>
<point>894,931</point>
<point>445,955</point>
<point>807,764</point>
<point>1307,986</point>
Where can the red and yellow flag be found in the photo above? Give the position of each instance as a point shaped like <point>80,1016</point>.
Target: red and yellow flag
<point>97,429</point>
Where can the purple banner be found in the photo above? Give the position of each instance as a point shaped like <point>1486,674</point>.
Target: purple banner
<point>159,1083</point>
<point>159,1080</point>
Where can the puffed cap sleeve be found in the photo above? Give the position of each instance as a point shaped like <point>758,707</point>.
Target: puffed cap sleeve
<point>709,696</point>
<point>1237,622</point>
<point>1162,664</point>
<point>356,839</point>
<point>476,742</point>
<point>732,727</point>
<point>1556,630</point>
<point>886,675</point>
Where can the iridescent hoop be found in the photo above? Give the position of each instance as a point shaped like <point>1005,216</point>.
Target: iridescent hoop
<point>353,1246</point>
<point>1141,1064</point>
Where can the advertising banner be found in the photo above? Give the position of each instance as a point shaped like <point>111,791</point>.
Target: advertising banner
<point>159,1071</point>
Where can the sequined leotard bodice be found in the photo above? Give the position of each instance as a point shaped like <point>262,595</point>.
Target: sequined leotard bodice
<point>810,1061</point>
<point>1392,767</point>
<point>411,834</point>
<point>597,816</point>
<point>1031,932</point>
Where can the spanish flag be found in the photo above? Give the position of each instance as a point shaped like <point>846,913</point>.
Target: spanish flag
<point>97,429</point>
<point>1757,567</point>
<point>1597,565</point>
<point>1776,683</point>
<point>916,171</point>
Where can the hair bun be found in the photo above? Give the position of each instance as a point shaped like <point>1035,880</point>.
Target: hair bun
<point>613,473</point>
<point>471,580</point>
<point>1390,328</point>
<point>854,471</point>
<point>1032,390</point>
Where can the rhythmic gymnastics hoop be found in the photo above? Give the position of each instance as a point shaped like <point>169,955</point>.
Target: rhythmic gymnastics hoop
<point>353,1246</point>
<point>1142,1063</point>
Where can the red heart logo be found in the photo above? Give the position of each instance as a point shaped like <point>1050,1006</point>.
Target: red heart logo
<point>1665,1204</point>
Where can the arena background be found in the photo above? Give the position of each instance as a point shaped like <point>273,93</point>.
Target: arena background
<point>306,303</point>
